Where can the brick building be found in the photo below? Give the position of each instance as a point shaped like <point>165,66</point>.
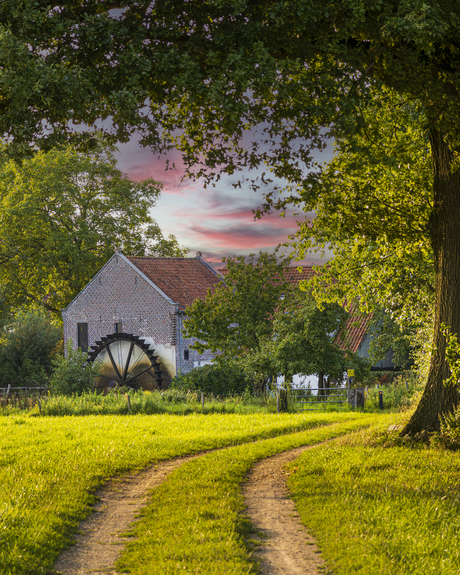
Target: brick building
<point>145,298</point>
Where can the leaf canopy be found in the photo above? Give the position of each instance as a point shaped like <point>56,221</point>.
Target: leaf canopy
<point>62,216</point>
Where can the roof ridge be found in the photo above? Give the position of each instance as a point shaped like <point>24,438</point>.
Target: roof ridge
<point>159,258</point>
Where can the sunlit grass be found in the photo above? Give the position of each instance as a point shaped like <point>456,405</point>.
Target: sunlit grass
<point>194,521</point>
<point>49,466</point>
<point>389,510</point>
<point>172,401</point>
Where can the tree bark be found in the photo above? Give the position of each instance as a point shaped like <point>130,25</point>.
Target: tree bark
<point>438,398</point>
<point>320,383</point>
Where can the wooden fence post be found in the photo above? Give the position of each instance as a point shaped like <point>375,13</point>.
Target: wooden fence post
<point>202,399</point>
<point>129,403</point>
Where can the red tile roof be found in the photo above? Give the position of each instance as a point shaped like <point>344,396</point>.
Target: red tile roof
<point>356,328</point>
<point>292,274</point>
<point>181,279</point>
<point>296,274</point>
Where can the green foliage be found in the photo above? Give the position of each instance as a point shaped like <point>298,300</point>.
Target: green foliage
<point>373,211</point>
<point>73,374</point>
<point>300,74</point>
<point>387,335</point>
<point>239,312</point>
<point>218,379</point>
<point>170,401</point>
<point>265,327</point>
<point>449,434</point>
<point>62,216</point>
<point>30,341</point>
<point>452,356</point>
<point>299,71</point>
<point>401,393</point>
<point>304,340</point>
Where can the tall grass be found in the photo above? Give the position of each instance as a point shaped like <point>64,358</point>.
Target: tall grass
<point>400,394</point>
<point>172,401</point>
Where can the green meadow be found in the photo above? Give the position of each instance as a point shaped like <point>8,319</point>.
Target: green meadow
<point>381,510</point>
<point>51,466</point>
<point>374,508</point>
<point>195,521</point>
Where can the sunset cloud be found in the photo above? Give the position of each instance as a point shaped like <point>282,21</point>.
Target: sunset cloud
<point>218,221</point>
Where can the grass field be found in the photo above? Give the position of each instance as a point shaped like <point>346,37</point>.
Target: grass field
<point>374,510</point>
<point>49,467</point>
<point>389,510</point>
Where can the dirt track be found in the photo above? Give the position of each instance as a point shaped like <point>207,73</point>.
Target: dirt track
<point>98,544</point>
<point>285,547</point>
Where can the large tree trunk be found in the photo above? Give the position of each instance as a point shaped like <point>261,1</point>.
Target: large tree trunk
<point>438,398</point>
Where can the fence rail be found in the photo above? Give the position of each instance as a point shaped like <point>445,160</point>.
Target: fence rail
<point>305,397</point>
<point>9,390</point>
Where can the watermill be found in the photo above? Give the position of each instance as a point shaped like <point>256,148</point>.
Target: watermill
<point>126,360</point>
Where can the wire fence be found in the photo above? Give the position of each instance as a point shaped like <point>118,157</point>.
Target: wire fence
<point>308,398</point>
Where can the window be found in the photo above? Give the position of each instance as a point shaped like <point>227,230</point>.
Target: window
<point>186,354</point>
<point>118,327</point>
<point>82,336</point>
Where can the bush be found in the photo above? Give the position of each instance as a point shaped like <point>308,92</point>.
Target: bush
<point>30,342</point>
<point>73,374</point>
<point>400,393</point>
<point>219,379</point>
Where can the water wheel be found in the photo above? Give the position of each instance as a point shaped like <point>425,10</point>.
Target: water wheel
<point>126,360</point>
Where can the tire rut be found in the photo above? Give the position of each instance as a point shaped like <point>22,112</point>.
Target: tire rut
<point>99,541</point>
<point>283,546</point>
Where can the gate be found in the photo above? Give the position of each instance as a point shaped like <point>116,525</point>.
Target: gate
<point>304,398</point>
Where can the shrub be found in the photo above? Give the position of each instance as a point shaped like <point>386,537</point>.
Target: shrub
<point>30,342</point>
<point>400,393</point>
<point>73,374</point>
<point>219,379</point>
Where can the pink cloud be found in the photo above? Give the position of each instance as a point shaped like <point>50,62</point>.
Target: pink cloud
<point>243,236</point>
<point>218,221</point>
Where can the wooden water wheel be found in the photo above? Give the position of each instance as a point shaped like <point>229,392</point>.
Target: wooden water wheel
<point>127,360</point>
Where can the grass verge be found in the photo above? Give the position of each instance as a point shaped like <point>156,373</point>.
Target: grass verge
<point>390,510</point>
<point>194,521</point>
<point>50,466</point>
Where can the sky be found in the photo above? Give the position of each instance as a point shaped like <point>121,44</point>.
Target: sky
<point>218,221</point>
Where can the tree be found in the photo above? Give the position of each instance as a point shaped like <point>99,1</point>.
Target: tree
<point>29,343</point>
<point>373,210</point>
<point>62,215</point>
<point>299,71</point>
<point>304,340</point>
<point>235,317</point>
<point>382,254</point>
<point>260,322</point>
